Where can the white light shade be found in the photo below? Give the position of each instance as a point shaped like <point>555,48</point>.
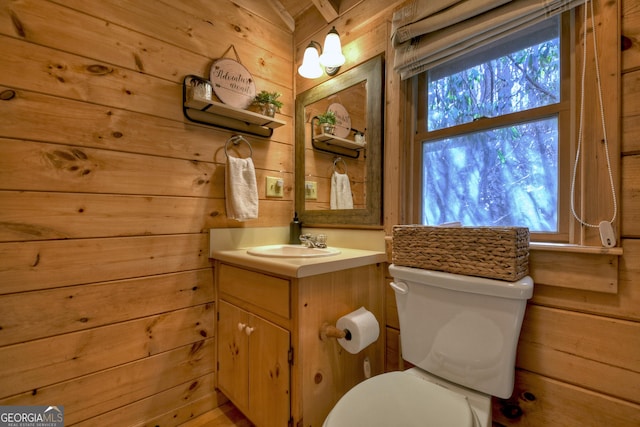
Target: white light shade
<point>310,67</point>
<point>332,53</point>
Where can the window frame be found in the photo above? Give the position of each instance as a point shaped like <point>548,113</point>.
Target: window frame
<point>417,98</point>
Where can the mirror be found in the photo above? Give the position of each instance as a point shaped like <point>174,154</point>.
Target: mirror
<point>353,151</point>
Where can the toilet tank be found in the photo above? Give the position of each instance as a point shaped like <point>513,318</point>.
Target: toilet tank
<point>461,328</point>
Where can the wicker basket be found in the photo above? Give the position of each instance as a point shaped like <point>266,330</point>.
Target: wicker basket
<point>496,253</point>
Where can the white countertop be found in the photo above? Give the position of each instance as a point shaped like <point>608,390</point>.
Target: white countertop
<point>301,267</point>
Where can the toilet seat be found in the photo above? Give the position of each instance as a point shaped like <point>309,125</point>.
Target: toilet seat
<point>397,398</point>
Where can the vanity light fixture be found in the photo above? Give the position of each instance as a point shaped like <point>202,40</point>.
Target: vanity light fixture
<point>310,68</point>
<point>331,58</point>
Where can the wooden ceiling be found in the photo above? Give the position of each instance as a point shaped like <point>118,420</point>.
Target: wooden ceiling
<point>289,13</point>
<point>329,10</point>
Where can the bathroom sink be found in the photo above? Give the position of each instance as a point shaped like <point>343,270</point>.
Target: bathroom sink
<point>291,251</point>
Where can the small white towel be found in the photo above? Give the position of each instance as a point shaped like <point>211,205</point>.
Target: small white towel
<point>241,190</point>
<point>341,197</point>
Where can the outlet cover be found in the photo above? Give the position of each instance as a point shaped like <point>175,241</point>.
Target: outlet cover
<point>311,190</point>
<point>275,187</point>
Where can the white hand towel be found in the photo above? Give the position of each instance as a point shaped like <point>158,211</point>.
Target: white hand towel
<point>241,190</point>
<point>341,197</point>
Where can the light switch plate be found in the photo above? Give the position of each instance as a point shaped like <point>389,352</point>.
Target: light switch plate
<point>275,187</point>
<point>311,190</point>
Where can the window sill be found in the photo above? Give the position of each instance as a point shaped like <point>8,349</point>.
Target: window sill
<point>564,247</point>
<point>586,268</point>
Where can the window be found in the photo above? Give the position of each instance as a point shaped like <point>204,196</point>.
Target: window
<point>492,135</point>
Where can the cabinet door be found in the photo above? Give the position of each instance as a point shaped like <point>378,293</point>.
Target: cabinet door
<point>269,373</point>
<point>233,354</point>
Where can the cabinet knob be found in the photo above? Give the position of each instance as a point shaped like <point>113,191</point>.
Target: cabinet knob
<point>248,330</point>
<point>241,326</point>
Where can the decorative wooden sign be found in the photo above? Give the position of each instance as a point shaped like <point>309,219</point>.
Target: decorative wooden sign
<point>343,120</point>
<point>232,83</point>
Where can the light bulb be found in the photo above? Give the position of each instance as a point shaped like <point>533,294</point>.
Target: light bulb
<point>332,53</point>
<point>310,67</point>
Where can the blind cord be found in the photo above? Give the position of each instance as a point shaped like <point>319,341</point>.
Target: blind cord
<point>604,130</point>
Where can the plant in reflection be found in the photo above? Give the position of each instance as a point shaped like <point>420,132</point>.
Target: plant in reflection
<point>327,121</point>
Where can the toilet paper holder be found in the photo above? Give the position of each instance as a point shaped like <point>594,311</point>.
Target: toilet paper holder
<point>330,331</point>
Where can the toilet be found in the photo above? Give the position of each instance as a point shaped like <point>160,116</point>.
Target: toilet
<point>461,333</point>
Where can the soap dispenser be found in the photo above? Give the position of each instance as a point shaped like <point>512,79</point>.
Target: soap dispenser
<point>295,230</point>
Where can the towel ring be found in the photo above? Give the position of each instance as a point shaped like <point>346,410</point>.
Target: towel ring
<point>236,140</point>
<point>335,164</point>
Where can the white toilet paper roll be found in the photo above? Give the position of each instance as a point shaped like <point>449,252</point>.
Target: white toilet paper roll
<point>363,329</point>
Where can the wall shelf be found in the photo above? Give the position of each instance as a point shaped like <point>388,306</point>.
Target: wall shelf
<point>334,144</point>
<point>336,140</point>
<point>205,111</point>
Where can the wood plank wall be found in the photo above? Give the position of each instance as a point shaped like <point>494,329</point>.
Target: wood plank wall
<point>106,197</point>
<point>106,193</point>
<point>579,354</point>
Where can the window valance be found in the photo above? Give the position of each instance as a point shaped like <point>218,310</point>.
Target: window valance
<point>426,33</point>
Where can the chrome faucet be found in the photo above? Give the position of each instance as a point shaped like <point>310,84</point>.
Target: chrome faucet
<point>311,241</point>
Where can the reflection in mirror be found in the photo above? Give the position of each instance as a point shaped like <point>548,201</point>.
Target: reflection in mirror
<point>334,160</point>
<point>338,173</point>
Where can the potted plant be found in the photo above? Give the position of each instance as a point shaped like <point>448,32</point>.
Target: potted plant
<point>268,102</point>
<point>327,122</point>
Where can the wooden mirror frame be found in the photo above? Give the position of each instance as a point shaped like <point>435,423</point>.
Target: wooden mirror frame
<point>371,72</point>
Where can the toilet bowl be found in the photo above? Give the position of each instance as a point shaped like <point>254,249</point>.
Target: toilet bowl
<point>410,398</point>
<point>461,333</point>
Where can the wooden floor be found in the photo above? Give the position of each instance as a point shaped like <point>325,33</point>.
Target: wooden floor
<point>226,415</point>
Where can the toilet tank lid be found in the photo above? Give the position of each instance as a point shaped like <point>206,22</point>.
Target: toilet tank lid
<point>520,289</point>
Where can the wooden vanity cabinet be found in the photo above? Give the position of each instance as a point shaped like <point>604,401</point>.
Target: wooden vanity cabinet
<point>254,367</point>
<point>254,353</point>
<point>272,362</point>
